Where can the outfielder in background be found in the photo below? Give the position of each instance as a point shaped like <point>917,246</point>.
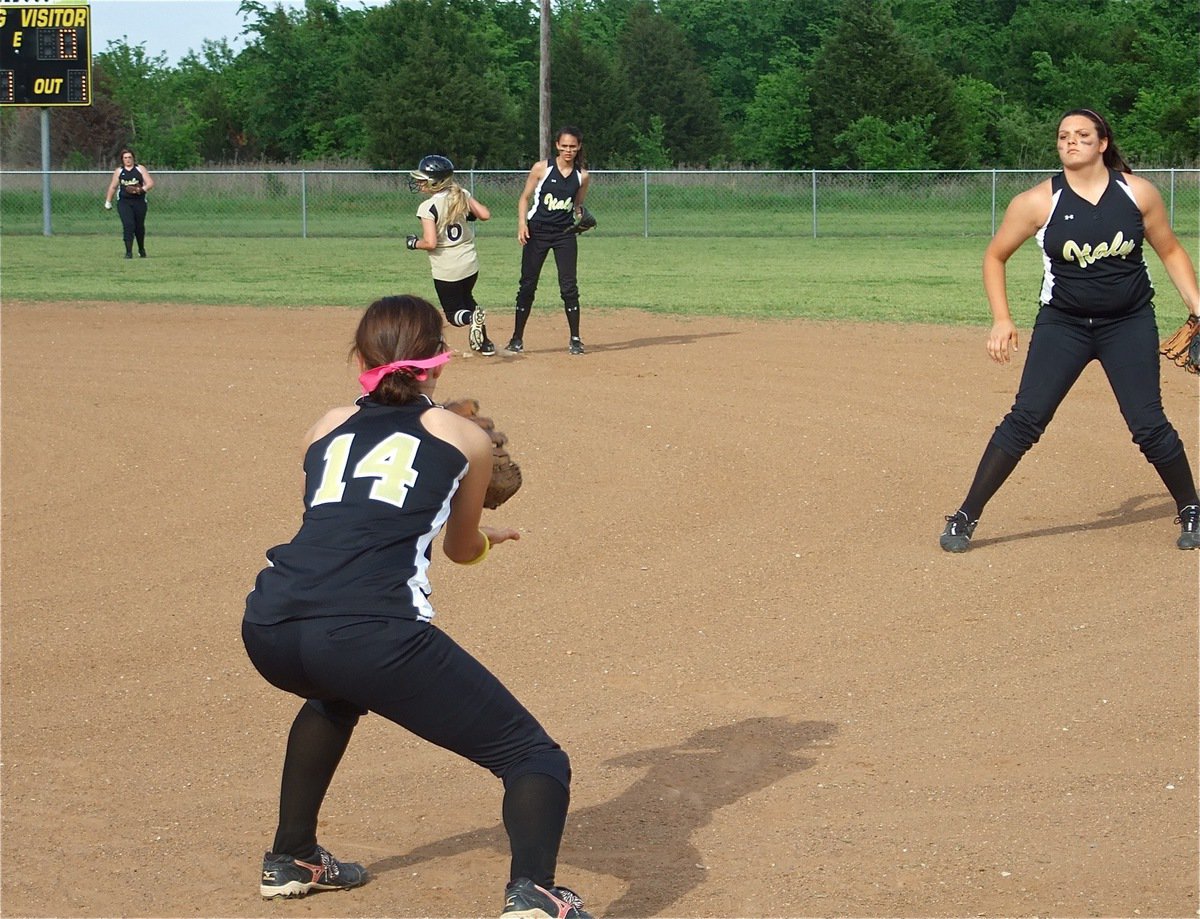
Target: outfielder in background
<point>447,216</point>
<point>1091,221</point>
<point>550,204</point>
<point>341,617</point>
<point>130,182</point>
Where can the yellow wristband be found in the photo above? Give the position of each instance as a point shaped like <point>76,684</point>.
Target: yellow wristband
<point>487,546</point>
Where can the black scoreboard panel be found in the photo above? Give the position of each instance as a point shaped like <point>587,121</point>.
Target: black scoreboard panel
<point>45,54</point>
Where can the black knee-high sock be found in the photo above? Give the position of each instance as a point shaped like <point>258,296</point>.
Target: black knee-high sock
<point>535,812</point>
<point>571,308</point>
<point>519,323</point>
<point>1177,476</point>
<point>315,747</point>
<point>994,467</point>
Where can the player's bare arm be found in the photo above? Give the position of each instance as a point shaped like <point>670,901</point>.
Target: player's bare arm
<point>1162,238</point>
<point>1025,213</point>
<point>478,209</point>
<point>462,542</point>
<point>536,173</point>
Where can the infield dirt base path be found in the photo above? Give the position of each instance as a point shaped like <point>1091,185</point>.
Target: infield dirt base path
<point>728,604</point>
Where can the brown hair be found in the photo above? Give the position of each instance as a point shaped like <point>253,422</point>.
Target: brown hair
<point>397,328</point>
<point>1112,156</point>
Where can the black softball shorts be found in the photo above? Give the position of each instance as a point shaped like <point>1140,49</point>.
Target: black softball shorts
<point>1060,347</point>
<point>413,674</point>
<point>533,256</point>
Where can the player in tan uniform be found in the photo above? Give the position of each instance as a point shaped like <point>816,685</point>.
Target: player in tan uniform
<point>447,219</point>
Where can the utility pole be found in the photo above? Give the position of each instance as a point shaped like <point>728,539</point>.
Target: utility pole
<point>544,93</point>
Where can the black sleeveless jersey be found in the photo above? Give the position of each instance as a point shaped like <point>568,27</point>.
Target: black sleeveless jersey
<point>377,491</point>
<point>554,199</point>
<point>130,178</point>
<point>1092,253</point>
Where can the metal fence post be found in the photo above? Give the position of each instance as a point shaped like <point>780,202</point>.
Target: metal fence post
<point>993,202</point>
<point>814,202</point>
<point>1171,212</point>
<point>45,119</point>
<point>645,204</point>
<point>303,204</point>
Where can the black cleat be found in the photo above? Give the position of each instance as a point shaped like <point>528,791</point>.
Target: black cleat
<point>1189,527</point>
<point>524,899</point>
<point>957,535</point>
<point>284,876</point>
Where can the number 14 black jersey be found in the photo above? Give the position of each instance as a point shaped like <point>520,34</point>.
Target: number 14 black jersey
<point>377,492</point>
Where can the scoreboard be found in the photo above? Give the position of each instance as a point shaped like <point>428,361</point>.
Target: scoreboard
<point>45,54</point>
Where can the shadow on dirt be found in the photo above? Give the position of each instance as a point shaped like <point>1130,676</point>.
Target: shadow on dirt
<point>595,347</point>
<point>683,786</point>
<point>1139,509</point>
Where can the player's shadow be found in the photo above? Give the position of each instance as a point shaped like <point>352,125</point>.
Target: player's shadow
<point>1138,509</point>
<point>654,342</point>
<point>643,837</point>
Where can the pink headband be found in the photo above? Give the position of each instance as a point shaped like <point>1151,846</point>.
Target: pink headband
<point>369,379</point>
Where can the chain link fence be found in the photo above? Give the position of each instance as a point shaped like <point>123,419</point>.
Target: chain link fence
<point>732,203</point>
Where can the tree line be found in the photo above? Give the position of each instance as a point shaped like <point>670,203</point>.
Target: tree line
<point>781,84</point>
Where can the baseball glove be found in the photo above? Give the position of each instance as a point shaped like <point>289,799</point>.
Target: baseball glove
<point>1183,348</point>
<point>585,222</point>
<point>506,474</point>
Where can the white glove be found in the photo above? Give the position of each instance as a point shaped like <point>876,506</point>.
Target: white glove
<point>108,205</point>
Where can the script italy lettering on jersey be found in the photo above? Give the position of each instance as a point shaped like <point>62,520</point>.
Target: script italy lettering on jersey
<point>552,203</point>
<point>1085,254</point>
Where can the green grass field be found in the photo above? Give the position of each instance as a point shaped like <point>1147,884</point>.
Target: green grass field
<point>925,280</point>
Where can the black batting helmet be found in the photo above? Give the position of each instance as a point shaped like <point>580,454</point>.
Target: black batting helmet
<point>433,168</point>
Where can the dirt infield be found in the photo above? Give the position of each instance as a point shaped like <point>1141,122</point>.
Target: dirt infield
<point>729,605</point>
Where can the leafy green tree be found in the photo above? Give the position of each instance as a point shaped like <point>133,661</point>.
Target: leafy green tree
<point>865,67</point>
<point>665,80</point>
<point>1161,125</point>
<point>871,143</point>
<point>1047,44</point>
<point>649,147</point>
<point>599,22</point>
<point>736,42</point>
<point>952,32</point>
<point>430,78</point>
<point>199,78</point>
<point>978,104</point>
<point>589,90</point>
<point>161,125</point>
<point>289,85</point>
<point>777,129</point>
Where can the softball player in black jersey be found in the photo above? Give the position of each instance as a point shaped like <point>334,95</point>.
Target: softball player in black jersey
<point>341,617</point>
<point>1090,220</point>
<point>556,188</point>
<point>130,182</point>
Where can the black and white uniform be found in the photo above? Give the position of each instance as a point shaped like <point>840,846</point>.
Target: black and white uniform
<point>550,214</point>
<point>342,615</point>
<point>1096,304</point>
<point>131,206</point>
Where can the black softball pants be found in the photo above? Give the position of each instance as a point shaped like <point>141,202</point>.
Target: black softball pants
<point>133,222</point>
<point>1060,346</point>
<point>533,256</point>
<point>415,675</point>
<point>457,299</point>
